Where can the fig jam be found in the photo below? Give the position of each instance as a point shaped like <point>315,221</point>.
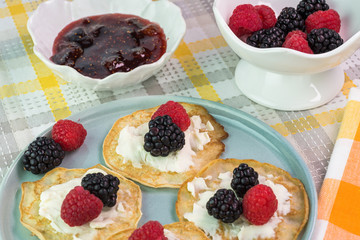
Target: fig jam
<point>98,46</point>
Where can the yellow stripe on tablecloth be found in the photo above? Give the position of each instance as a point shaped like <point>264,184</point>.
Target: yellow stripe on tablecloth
<point>207,44</point>
<point>46,78</point>
<point>351,121</point>
<point>310,122</point>
<point>195,73</point>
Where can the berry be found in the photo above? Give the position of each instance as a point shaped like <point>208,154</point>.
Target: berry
<point>244,177</point>
<point>245,20</point>
<point>267,38</point>
<point>323,40</point>
<point>67,54</point>
<point>42,155</point>
<point>80,207</point>
<point>104,187</point>
<point>79,36</point>
<point>224,206</point>
<point>177,113</point>
<point>267,16</point>
<point>296,32</point>
<point>289,19</point>
<point>259,204</point>
<point>323,19</point>
<point>152,230</point>
<point>70,135</point>
<point>307,7</point>
<point>163,137</point>
<point>297,42</point>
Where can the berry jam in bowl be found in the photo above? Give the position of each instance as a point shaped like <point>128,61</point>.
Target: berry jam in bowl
<point>109,44</point>
<point>290,57</point>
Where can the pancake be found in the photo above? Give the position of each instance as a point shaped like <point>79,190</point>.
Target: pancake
<point>181,230</point>
<point>291,224</point>
<point>153,177</point>
<point>129,195</point>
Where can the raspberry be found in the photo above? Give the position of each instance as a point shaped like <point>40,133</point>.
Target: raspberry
<point>70,135</point>
<point>323,19</point>
<point>245,20</point>
<point>297,42</point>
<point>259,204</point>
<point>296,32</point>
<point>177,113</point>
<point>267,15</point>
<point>80,207</point>
<point>152,230</point>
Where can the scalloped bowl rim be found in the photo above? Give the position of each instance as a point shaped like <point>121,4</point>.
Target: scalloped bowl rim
<point>95,82</point>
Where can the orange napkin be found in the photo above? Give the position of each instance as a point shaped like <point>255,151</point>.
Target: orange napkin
<point>339,199</point>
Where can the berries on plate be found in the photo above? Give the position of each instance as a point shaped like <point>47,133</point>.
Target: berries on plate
<point>323,19</point>
<point>244,178</point>
<point>104,187</point>
<point>177,113</point>
<point>245,20</point>
<point>307,7</point>
<point>267,38</point>
<point>80,207</point>
<point>267,15</point>
<point>42,155</point>
<point>259,204</point>
<point>69,134</point>
<point>324,40</point>
<point>289,19</point>
<point>224,206</point>
<point>299,43</point>
<point>152,230</point>
<point>163,137</point>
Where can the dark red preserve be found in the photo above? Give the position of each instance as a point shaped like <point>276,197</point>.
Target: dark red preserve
<point>98,46</point>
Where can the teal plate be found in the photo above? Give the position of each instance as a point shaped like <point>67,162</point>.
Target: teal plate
<point>248,138</point>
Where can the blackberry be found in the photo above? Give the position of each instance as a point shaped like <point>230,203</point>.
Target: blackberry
<point>163,137</point>
<point>307,7</point>
<point>289,19</point>
<point>244,177</point>
<point>42,155</point>
<point>267,38</point>
<point>104,187</point>
<point>323,40</point>
<point>224,206</point>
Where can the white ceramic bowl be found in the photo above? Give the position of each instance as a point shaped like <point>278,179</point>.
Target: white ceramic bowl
<point>52,16</point>
<point>283,78</point>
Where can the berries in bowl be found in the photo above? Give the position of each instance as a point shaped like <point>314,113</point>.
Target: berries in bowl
<point>108,45</point>
<point>295,72</point>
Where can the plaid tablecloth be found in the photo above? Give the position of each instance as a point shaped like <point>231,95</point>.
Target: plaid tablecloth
<point>33,98</point>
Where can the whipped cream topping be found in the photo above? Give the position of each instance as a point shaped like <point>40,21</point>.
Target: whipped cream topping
<point>50,208</point>
<point>131,147</point>
<point>169,235</point>
<point>241,228</point>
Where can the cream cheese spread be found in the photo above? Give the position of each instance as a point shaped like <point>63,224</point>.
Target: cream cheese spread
<point>240,228</point>
<point>131,147</point>
<point>50,208</point>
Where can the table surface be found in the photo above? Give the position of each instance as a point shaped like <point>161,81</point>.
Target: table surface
<point>32,98</point>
